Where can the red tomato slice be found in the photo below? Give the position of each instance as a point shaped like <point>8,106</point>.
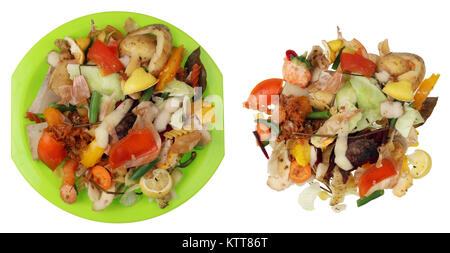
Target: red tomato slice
<point>354,63</point>
<point>105,58</point>
<point>374,175</point>
<point>138,144</point>
<point>50,151</point>
<point>260,97</point>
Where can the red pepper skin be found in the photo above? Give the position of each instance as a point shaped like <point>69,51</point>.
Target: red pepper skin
<point>354,63</point>
<point>374,175</point>
<point>50,151</point>
<point>113,45</point>
<point>291,53</point>
<point>137,144</point>
<point>105,57</point>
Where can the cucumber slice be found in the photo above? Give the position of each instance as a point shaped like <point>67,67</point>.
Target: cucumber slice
<point>74,70</point>
<point>105,85</point>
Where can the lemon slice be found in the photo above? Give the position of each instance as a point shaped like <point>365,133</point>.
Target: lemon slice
<point>157,185</point>
<point>421,162</point>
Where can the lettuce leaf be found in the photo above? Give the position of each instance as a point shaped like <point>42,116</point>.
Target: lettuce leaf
<point>345,101</point>
<point>178,88</point>
<point>369,97</point>
<point>345,95</point>
<point>407,120</point>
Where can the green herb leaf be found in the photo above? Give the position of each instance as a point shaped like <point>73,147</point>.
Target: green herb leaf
<point>302,59</point>
<point>64,108</point>
<point>165,95</point>
<point>147,94</point>
<point>337,61</point>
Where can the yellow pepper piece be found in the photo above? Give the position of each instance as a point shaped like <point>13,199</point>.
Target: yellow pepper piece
<point>138,81</point>
<point>424,90</point>
<point>301,152</point>
<point>83,43</point>
<point>92,155</point>
<point>401,90</point>
<point>335,46</point>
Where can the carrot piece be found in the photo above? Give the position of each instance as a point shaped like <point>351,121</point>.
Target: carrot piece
<point>299,174</point>
<point>263,131</point>
<point>101,177</point>
<point>169,71</point>
<point>424,90</point>
<point>53,116</point>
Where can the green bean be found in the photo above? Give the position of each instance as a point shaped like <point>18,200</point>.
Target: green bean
<point>147,94</point>
<point>94,107</point>
<point>319,115</point>
<point>141,170</point>
<point>366,199</point>
<point>392,123</point>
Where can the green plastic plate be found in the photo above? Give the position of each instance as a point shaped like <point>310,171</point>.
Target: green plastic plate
<point>26,82</point>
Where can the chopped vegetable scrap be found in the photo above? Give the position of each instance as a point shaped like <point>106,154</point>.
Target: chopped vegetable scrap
<point>116,114</point>
<point>342,119</point>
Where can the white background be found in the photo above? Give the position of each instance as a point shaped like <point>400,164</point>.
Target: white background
<point>247,40</point>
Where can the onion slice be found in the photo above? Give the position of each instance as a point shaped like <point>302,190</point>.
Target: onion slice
<point>340,150</point>
<point>308,195</point>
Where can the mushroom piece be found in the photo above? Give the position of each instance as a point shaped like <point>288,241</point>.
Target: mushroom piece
<point>163,46</point>
<point>417,71</point>
<point>404,66</point>
<point>140,48</point>
<point>130,26</point>
<point>278,168</point>
<point>53,58</point>
<point>60,78</point>
<point>64,50</point>
<point>105,199</point>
